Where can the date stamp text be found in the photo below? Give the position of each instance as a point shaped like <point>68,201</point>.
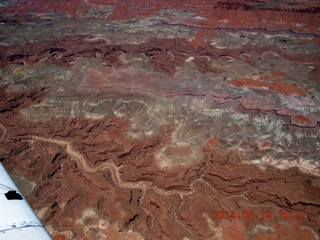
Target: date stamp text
<point>264,214</point>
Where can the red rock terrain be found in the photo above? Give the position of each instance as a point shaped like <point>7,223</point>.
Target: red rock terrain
<point>164,119</point>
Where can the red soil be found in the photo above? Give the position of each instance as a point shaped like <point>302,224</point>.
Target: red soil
<point>280,87</point>
<point>240,14</point>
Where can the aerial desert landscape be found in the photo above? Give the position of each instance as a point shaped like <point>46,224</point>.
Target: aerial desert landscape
<point>164,119</point>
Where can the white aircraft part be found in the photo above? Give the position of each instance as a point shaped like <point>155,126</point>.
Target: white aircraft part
<point>17,219</point>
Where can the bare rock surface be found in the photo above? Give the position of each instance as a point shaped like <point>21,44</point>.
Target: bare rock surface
<point>164,120</point>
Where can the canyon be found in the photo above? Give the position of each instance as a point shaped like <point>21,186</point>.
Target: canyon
<point>164,119</point>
